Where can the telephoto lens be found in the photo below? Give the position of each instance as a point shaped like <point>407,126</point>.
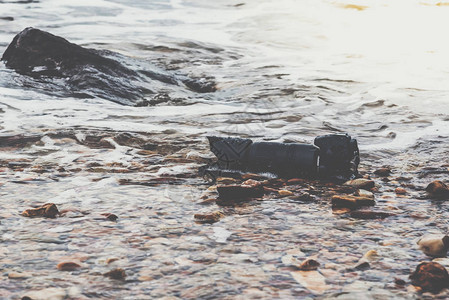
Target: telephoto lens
<point>333,157</point>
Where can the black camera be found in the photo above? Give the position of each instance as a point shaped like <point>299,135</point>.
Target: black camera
<point>334,156</point>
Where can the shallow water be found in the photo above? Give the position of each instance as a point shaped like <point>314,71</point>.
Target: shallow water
<point>284,71</point>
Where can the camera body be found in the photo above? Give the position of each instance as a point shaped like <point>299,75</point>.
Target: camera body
<point>334,157</point>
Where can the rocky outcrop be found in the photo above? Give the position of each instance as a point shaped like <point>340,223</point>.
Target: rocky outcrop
<point>88,73</point>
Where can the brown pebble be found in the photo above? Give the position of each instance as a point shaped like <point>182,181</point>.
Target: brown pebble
<point>68,266</point>
<point>209,218</point>
<point>110,217</point>
<point>400,191</point>
<point>48,210</point>
<point>383,172</point>
<point>438,189</point>
<point>248,189</point>
<point>399,281</point>
<point>118,274</point>
<point>430,276</point>
<point>361,183</point>
<point>351,201</point>
<point>309,265</point>
<point>370,214</point>
<point>111,260</point>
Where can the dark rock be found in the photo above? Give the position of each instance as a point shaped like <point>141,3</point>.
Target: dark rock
<point>110,217</point>
<point>430,276</point>
<point>87,72</point>
<point>399,281</point>
<point>438,189</point>
<point>248,189</point>
<point>370,214</point>
<point>48,210</point>
<point>118,274</point>
<point>68,266</point>
<point>383,172</point>
<point>7,18</point>
<point>309,265</point>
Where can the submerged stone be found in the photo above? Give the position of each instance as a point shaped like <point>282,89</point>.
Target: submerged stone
<point>430,277</point>
<point>350,201</point>
<point>438,189</point>
<point>48,210</point>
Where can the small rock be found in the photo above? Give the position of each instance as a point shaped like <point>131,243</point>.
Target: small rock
<point>430,276</point>
<point>400,191</point>
<point>209,218</point>
<point>118,274</point>
<point>18,275</point>
<point>110,217</point>
<point>285,193</point>
<point>383,172</point>
<point>48,210</point>
<point>111,260</point>
<point>248,189</point>
<point>434,245</point>
<point>438,189</point>
<point>370,255</point>
<point>350,201</point>
<point>360,183</point>
<point>309,265</point>
<point>68,266</point>
<point>364,193</point>
<point>370,214</point>
<point>362,265</point>
<point>399,281</point>
<point>226,180</point>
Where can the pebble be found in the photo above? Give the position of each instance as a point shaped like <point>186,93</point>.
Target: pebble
<point>383,172</point>
<point>360,183</point>
<point>438,189</point>
<point>68,266</point>
<point>430,277</point>
<point>118,274</point>
<point>434,245</point>
<point>48,210</point>
<point>209,218</point>
<point>110,217</point>
<point>309,265</point>
<point>18,275</point>
<point>351,201</point>
<point>285,193</point>
<point>370,214</point>
<point>248,189</point>
<point>364,193</point>
<point>400,191</point>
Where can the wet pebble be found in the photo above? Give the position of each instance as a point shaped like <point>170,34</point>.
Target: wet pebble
<point>400,191</point>
<point>309,265</point>
<point>383,172</point>
<point>360,183</point>
<point>430,276</point>
<point>434,245</point>
<point>438,189</point>
<point>370,214</point>
<point>350,201</point>
<point>48,210</point>
<point>209,218</point>
<point>68,266</point>
<point>118,274</point>
<point>110,217</point>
